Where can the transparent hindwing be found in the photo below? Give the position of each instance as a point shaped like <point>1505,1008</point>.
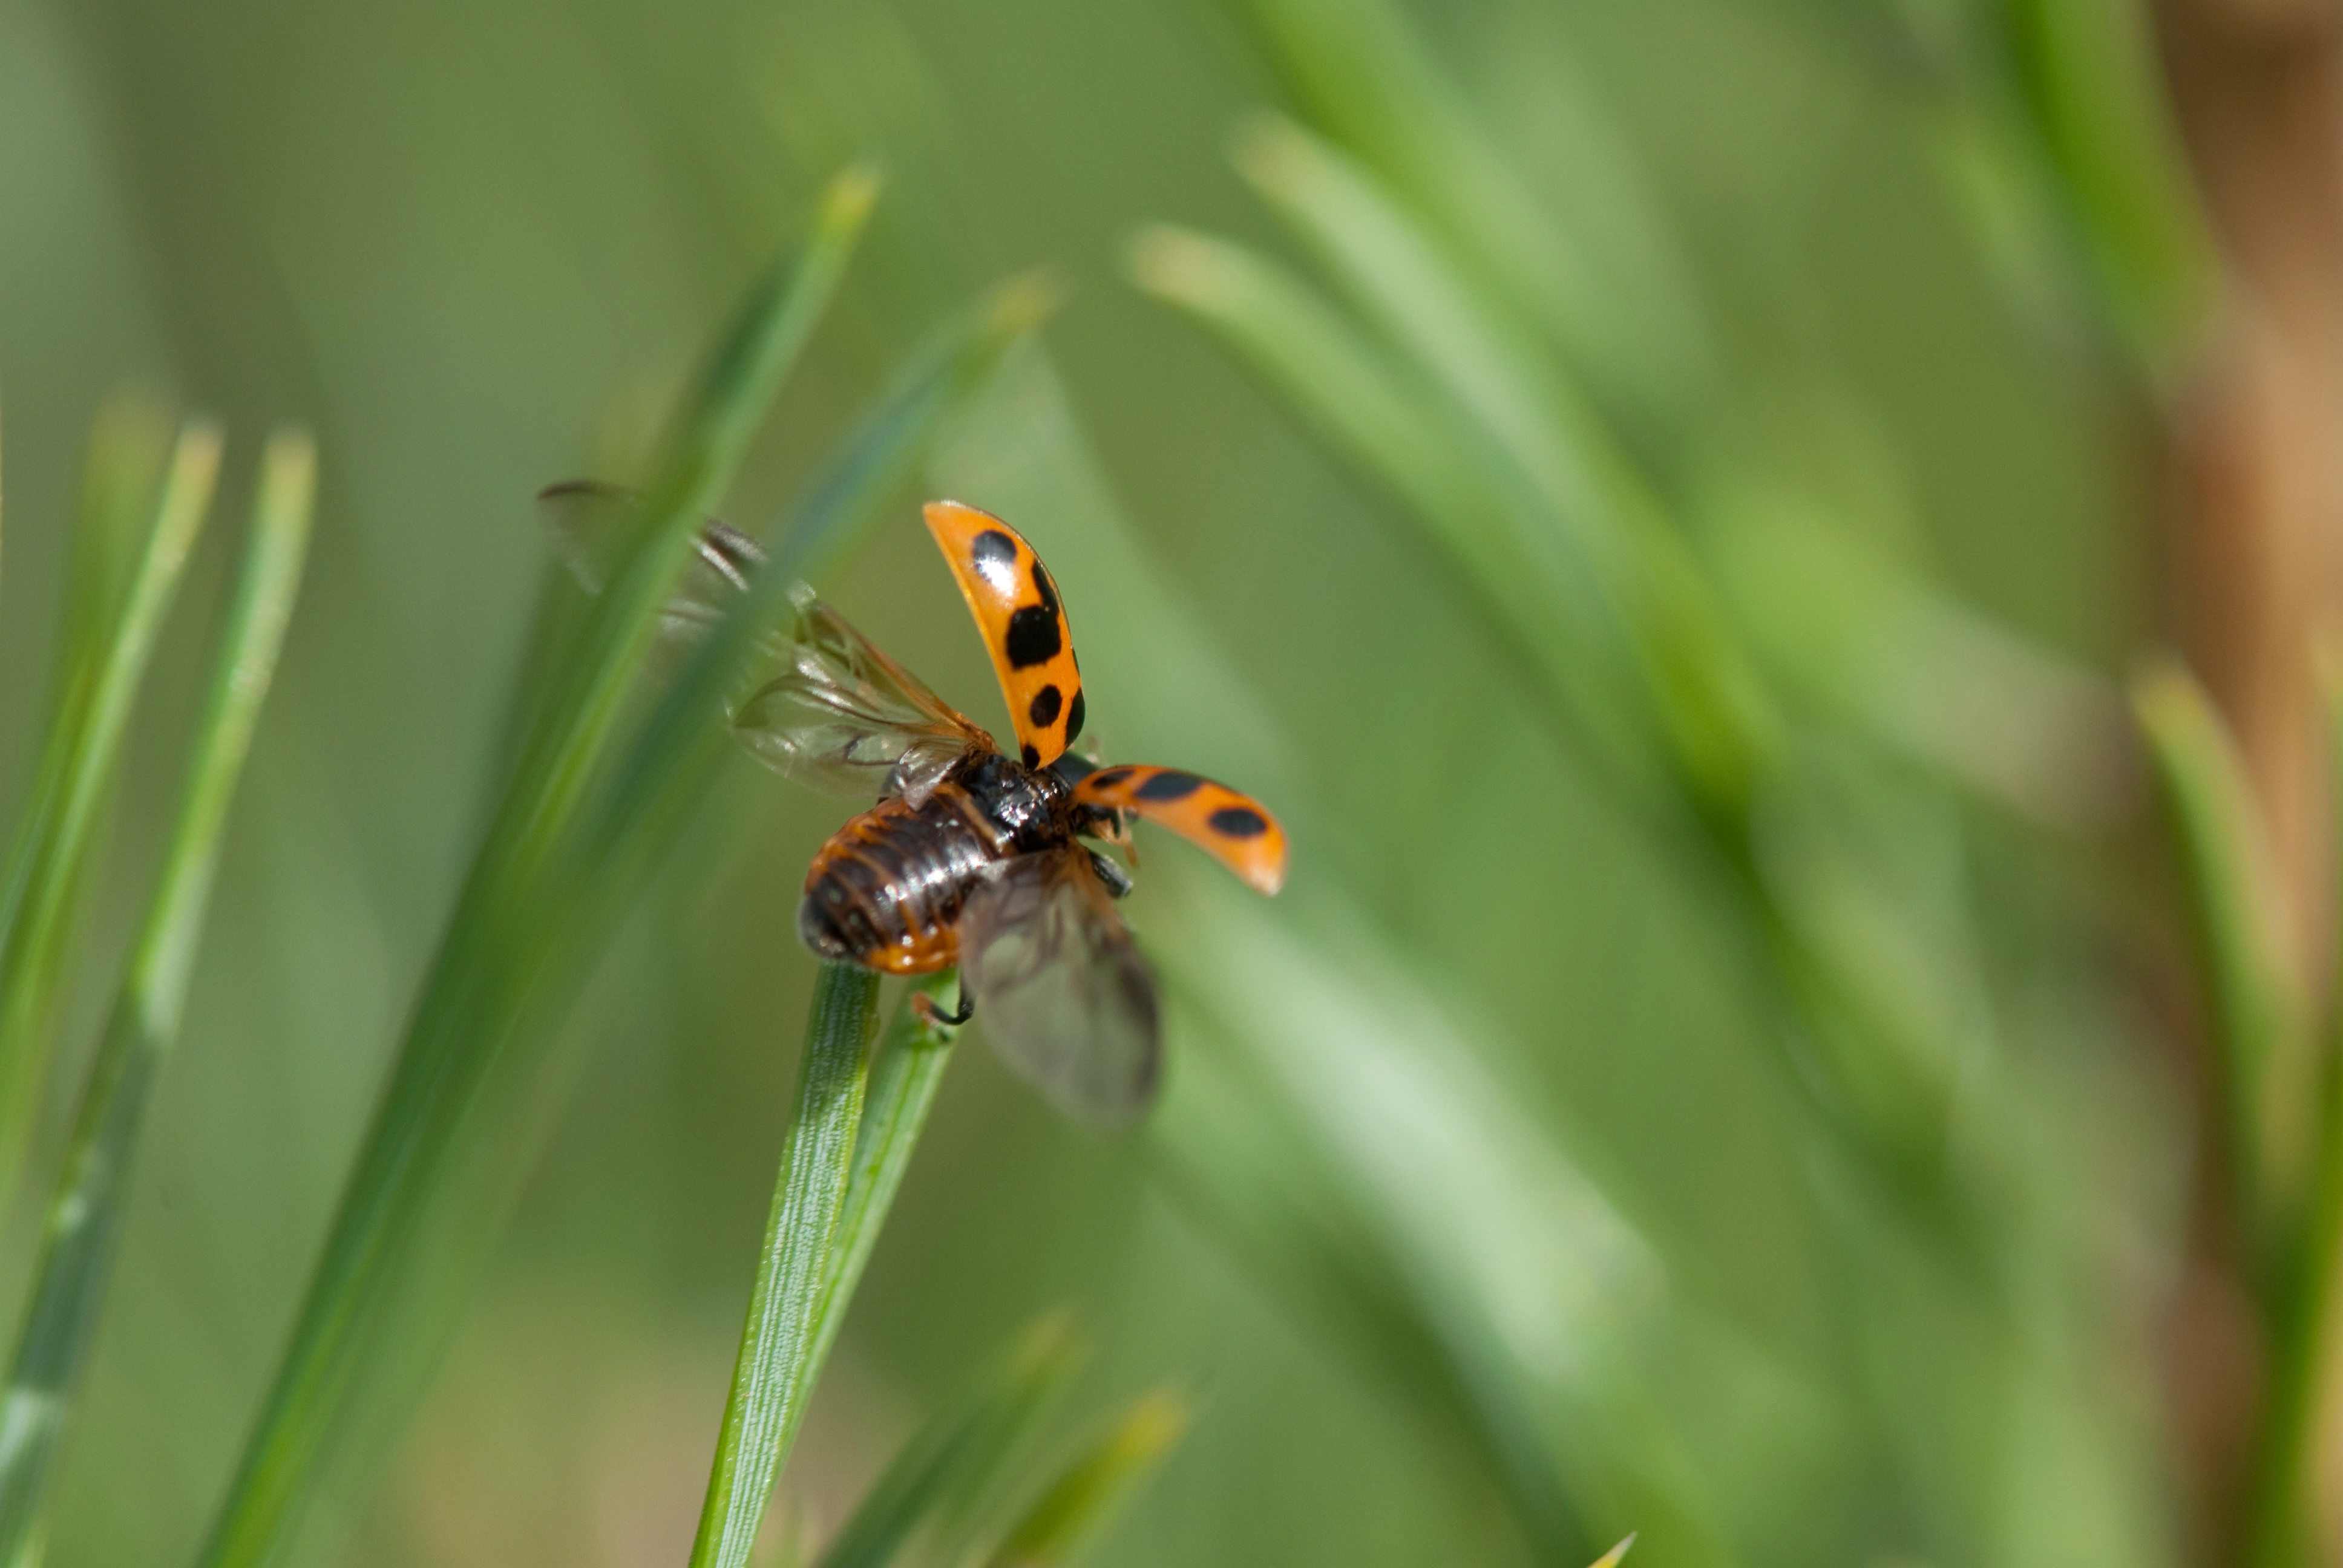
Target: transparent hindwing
<point>1060,989</point>
<point>816,702</point>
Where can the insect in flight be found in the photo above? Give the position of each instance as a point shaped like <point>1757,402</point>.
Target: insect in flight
<point>970,856</point>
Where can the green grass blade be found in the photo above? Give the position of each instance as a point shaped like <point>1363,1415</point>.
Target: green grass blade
<point>2280,1496</point>
<point>1604,282</point>
<point>129,446</point>
<point>2087,77</point>
<point>2255,1017</point>
<point>86,1212</point>
<point>735,390</point>
<point>1090,1491</point>
<point>54,855</point>
<point>905,1073</point>
<point>960,1455</point>
<point>1593,511</point>
<point>1612,1558</point>
<point>1376,416</point>
<point>491,962</point>
<point>774,1375</point>
<point>676,744</point>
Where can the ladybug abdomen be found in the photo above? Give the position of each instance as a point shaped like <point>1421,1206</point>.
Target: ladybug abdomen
<point>886,891</point>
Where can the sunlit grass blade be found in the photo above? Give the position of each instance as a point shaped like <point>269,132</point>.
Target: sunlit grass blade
<point>774,1375</point>
<point>1547,612</point>
<point>1590,266</point>
<point>1251,1172</point>
<point>882,451</point>
<point>129,446</point>
<point>52,855</point>
<point>2088,80</point>
<point>85,1214</point>
<point>905,1071</point>
<point>960,1455</point>
<point>2256,1017</point>
<point>1917,670</point>
<point>1090,1491</point>
<point>1465,1206</point>
<point>703,452</point>
<point>1541,435</point>
<point>2282,1496</point>
<point>1611,1559</point>
<point>492,961</point>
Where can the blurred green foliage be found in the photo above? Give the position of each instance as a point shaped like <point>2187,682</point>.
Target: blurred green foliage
<point>1657,575</point>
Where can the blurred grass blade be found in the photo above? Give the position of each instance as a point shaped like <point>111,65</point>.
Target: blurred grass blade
<point>1602,282</point>
<point>1590,502</point>
<point>1856,630</point>
<point>659,764</point>
<point>905,1071</point>
<point>1546,611</point>
<point>2256,1017</point>
<point>774,1375</point>
<point>1611,1559</point>
<point>705,449</point>
<point>84,1215</point>
<point>52,854</point>
<point>1254,1175</point>
<point>2282,1495</point>
<point>492,960</point>
<point>1088,1492</point>
<point>2089,78</point>
<point>960,1455</point>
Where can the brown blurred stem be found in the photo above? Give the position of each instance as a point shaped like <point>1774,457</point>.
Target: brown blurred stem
<point>2257,438</point>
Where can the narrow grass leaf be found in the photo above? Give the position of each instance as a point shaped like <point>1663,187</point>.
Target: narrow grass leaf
<point>905,1073</point>
<point>2281,1495</point>
<point>53,856</point>
<point>1545,610</point>
<point>2255,1015</point>
<point>490,961</point>
<point>1590,512</point>
<point>129,446</point>
<point>85,1214</point>
<point>1611,1559</point>
<point>774,1375</point>
<point>960,1456</point>
<point>678,746</point>
<point>1604,284</point>
<point>2089,78</point>
<point>1088,1492</point>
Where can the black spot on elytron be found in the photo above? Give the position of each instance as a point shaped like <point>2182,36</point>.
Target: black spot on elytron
<point>1044,586</point>
<point>1044,710</point>
<point>1169,785</point>
<point>1112,776</point>
<point>1074,715</point>
<point>1032,758</point>
<point>1033,637</point>
<point>994,556</point>
<point>1239,822</point>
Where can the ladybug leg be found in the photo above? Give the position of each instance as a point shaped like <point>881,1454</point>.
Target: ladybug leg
<point>925,1007</point>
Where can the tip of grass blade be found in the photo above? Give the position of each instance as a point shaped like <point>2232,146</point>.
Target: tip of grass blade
<point>1269,150</point>
<point>2164,694</point>
<point>1023,302</point>
<point>1611,1559</point>
<point>847,201</point>
<point>1175,263</point>
<point>1088,1491</point>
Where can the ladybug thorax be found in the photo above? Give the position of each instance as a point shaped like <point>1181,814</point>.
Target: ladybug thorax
<point>1032,808</point>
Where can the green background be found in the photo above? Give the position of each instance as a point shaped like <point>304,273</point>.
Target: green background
<point>476,248</point>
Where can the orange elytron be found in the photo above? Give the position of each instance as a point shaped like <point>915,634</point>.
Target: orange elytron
<point>970,857</point>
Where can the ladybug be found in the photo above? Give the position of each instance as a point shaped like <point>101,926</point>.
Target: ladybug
<point>970,857</point>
